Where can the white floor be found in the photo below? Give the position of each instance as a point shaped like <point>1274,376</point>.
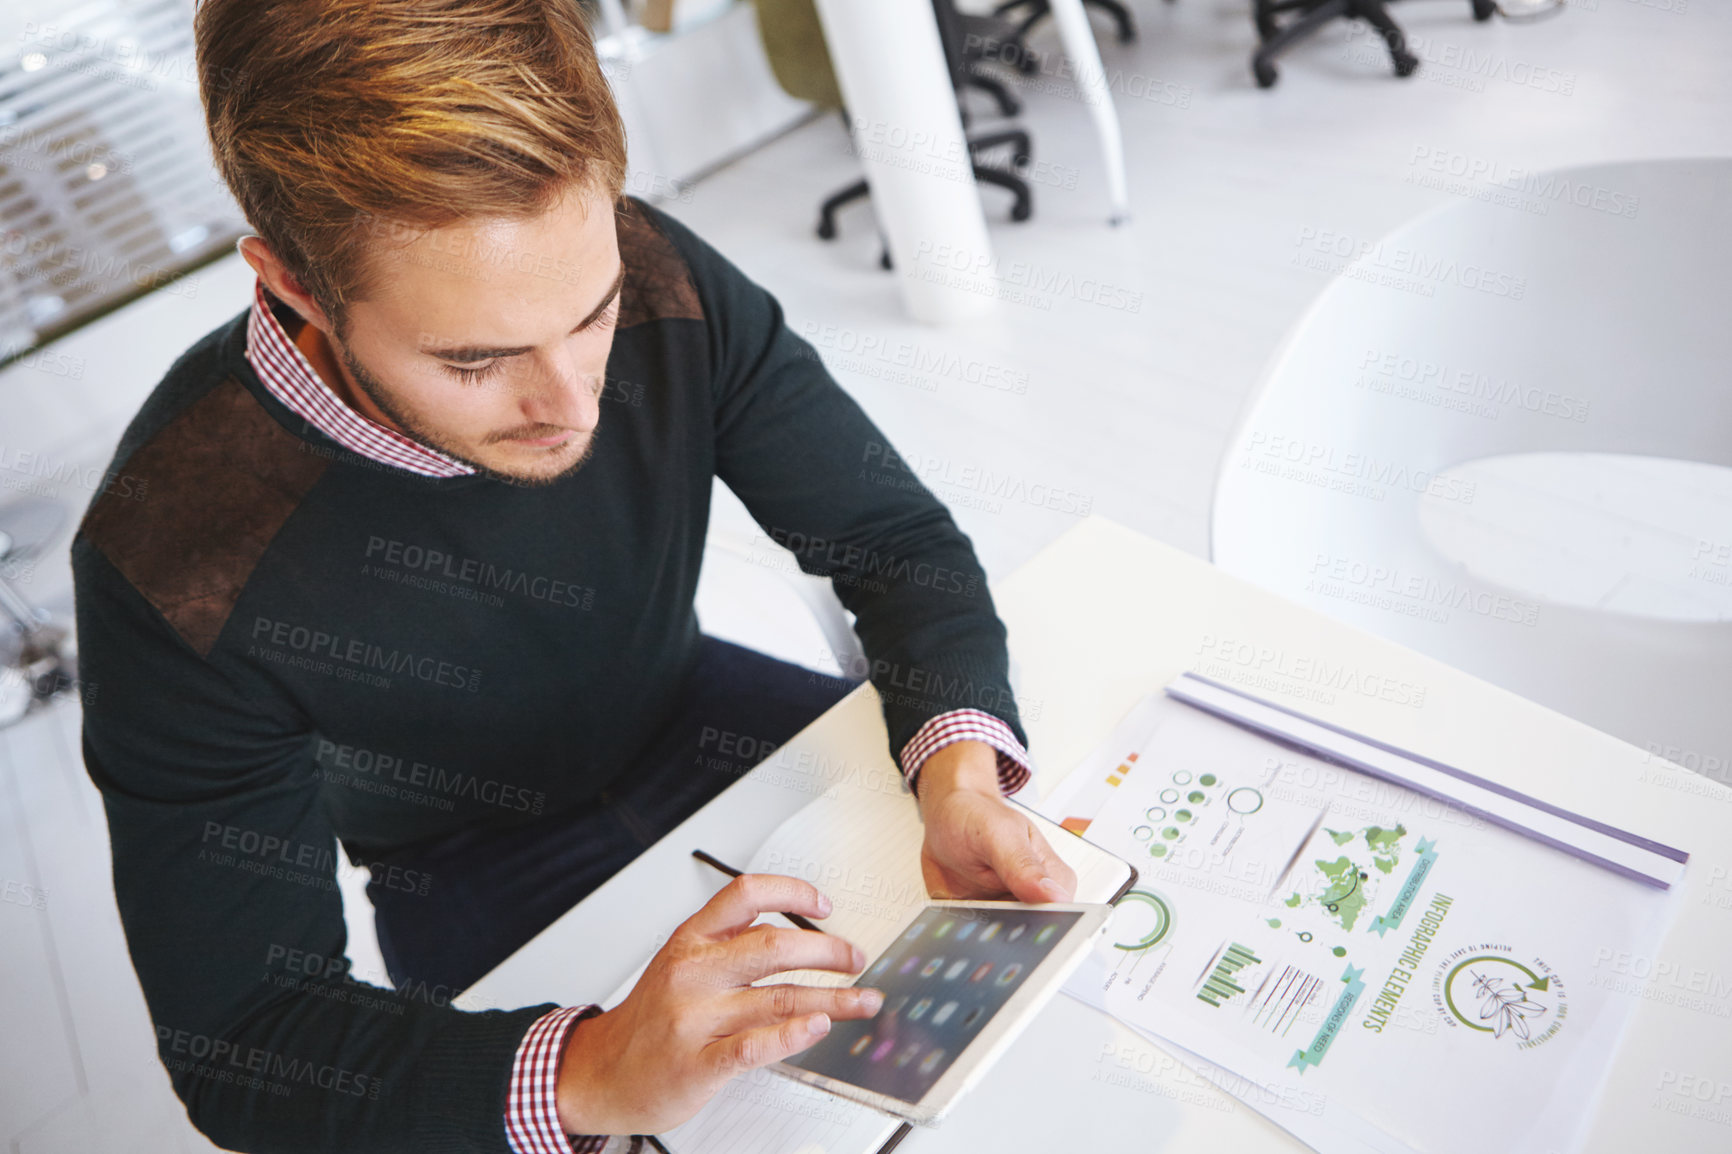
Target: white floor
<point>1122,411</point>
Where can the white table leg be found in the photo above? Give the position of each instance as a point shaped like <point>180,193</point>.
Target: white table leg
<point>1091,81</point>
<point>907,130</point>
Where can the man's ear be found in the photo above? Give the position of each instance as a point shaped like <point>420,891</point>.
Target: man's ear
<point>282,283</point>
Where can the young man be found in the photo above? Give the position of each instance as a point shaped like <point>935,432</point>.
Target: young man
<point>416,572</point>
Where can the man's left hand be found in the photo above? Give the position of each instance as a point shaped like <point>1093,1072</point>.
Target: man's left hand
<point>977,844</point>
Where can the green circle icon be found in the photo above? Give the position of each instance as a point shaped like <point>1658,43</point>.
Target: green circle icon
<point>1207,779</point>
<point>1182,815</point>
<point>1157,850</point>
<point>1163,920</point>
<point>1196,797</point>
<point>1169,833</point>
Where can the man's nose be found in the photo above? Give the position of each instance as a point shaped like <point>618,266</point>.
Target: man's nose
<point>569,396</point>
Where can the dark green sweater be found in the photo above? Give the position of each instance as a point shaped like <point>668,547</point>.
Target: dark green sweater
<point>283,642</point>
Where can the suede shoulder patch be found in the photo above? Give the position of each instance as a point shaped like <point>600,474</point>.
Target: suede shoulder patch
<point>658,286</point>
<point>219,481</point>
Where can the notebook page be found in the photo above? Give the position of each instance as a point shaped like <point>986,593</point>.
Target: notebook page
<point>765,1113</point>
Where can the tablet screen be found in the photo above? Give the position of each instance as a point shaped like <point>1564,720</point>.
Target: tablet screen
<point>943,980</point>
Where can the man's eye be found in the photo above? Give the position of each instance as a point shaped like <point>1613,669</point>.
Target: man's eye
<point>469,374</point>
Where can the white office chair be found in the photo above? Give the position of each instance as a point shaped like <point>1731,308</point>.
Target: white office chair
<point>1503,437</point>
<point>751,592</point>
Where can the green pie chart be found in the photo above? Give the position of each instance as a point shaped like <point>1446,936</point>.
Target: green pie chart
<point>1163,920</point>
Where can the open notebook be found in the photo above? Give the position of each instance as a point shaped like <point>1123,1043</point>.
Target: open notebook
<point>862,848</point>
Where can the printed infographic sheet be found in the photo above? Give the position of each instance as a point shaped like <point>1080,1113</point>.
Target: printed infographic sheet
<point>1334,937</point>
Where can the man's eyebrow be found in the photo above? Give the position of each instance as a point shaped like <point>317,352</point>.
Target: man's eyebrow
<point>471,353</point>
<point>595,315</point>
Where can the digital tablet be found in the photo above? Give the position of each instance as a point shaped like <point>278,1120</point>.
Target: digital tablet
<point>960,982</point>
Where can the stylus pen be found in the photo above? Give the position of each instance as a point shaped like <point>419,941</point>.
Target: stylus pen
<point>708,859</point>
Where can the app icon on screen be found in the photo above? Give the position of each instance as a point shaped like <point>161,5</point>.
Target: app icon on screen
<point>930,1062</point>
<point>919,1010</point>
<point>882,1048</point>
<point>955,969</point>
<point>973,1016</point>
<point>1009,974</point>
<point>943,1014</point>
<point>909,965</point>
<point>931,967</point>
<point>1015,932</point>
<point>966,932</point>
<point>908,1054</point>
<point>980,972</point>
<point>859,1047</point>
<point>991,931</point>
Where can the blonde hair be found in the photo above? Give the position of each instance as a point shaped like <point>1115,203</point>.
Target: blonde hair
<point>328,118</point>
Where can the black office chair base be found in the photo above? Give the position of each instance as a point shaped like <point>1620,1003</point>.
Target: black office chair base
<point>1021,207</point>
<point>835,203</point>
<point>1039,9</point>
<point>1313,14</point>
<point>1008,105</point>
<point>1021,154</point>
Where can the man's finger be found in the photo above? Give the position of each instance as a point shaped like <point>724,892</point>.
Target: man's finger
<point>1028,866</point>
<point>750,1049</point>
<point>737,904</point>
<point>937,884</point>
<point>772,1005</point>
<point>764,950</point>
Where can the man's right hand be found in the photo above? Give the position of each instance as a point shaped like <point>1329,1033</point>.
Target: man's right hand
<point>694,1019</point>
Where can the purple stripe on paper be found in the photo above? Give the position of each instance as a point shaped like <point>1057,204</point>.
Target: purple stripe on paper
<point>1657,848</point>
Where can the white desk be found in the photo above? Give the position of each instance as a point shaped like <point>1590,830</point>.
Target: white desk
<point>1100,618</point>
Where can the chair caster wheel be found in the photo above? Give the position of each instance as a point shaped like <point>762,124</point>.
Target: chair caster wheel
<point>1265,73</point>
<point>1484,9</point>
<point>826,230</point>
<point>1405,64</point>
<point>1021,210</point>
